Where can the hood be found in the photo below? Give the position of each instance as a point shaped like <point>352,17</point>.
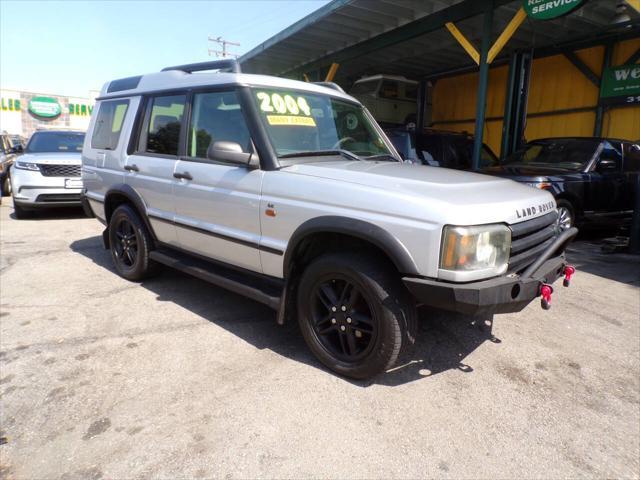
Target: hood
<point>525,173</point>
<point>454,196</point>
<point>52,158</point>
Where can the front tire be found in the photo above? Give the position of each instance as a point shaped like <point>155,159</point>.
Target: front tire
<point>354,314</point>
<point>19,212</point>
<point>130,243</point>
<point>566,215</point>
<point>6,186</point>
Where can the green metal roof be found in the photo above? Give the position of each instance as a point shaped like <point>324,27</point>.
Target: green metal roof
<point>407,37</point>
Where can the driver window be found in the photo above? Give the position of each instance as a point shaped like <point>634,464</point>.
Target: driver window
<point>609,152</point>
<point>216,116</point>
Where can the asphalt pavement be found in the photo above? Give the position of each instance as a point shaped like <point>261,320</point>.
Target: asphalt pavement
<point>175,378</point>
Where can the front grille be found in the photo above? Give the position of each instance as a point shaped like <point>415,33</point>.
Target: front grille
<point>529,239</point>
<point>58,197</point>
<point>60,170</point>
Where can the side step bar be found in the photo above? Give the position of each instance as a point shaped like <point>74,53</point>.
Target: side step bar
<point>247,285</point>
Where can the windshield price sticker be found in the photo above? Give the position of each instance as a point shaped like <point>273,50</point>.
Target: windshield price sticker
<point>297,121</point>
<point>283,104</point>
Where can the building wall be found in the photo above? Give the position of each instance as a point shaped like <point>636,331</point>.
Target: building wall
<point>556,84</point>
<point>16,117</point>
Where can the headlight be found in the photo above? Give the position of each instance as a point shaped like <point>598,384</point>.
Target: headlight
<point>27,166</point>
<point>540,185</point>
<point>471,253</point>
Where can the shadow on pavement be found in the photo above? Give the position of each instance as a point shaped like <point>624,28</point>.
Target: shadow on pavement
<point>57,213</point>
<point>587,256</point>
<point>444,339</point>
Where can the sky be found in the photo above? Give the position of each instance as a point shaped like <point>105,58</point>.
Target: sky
<point>71,47</point>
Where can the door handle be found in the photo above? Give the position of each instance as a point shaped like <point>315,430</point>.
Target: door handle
<point>183,175</point>
<point>131,168</point>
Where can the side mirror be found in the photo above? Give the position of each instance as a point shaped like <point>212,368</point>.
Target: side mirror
<point>606,165</point>
<point>230,152</point>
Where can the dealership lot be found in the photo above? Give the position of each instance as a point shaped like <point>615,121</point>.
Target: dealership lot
<point>102,378</point>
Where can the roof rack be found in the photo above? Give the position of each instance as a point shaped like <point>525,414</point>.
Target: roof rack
<point>229,65</point>
<point>332,85</point>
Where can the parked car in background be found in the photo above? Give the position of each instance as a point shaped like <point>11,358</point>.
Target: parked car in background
<point>7,157</point>
<point>439,148</point>
<point>390,99</point>
<point>18,142</point>
<point>592,179</point>
<point>49,172</point>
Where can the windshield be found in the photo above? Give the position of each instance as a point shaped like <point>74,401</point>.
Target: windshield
<point>47,142</point>
<point>563,154</point>
<point>366,87</point>
<point>302,122</point>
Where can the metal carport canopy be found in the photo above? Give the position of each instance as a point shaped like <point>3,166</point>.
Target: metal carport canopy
<point>408,37</point>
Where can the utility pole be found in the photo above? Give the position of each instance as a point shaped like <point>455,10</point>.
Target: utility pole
<point>224,53</point>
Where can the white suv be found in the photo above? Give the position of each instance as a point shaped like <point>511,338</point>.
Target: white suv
<point>290,194</point>
<point>49,172</point>
<point>392,100</point>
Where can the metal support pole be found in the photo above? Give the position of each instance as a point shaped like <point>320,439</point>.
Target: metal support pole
<point>483,82</point>
<point>422,105</point>
<point>508,107</point>
<point>597,129</point>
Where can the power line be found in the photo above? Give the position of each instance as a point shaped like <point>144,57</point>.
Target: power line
<point>224,53</point>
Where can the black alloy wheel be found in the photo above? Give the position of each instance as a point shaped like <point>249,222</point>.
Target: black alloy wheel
<point>126,246</point>
<point>130,243</point>
<point>343,320</point>
<point>354,313</point>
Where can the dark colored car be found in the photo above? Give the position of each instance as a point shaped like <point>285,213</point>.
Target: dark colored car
<point>592,179</point>
<point>439,148</point>
<point>7,155</point>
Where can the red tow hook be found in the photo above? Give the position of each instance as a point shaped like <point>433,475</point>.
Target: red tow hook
<point>545,293</point>
<point>569,270</point>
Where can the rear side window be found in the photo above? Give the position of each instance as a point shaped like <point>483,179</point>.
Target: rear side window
<point>106,132</point>
<point>162,124</point>
<point>389,89</point>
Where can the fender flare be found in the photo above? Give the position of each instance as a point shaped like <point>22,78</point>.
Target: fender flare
<point>360,229</point>
<point>137,201</point>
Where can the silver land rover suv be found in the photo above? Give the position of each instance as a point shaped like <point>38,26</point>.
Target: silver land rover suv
<point>290,193</point>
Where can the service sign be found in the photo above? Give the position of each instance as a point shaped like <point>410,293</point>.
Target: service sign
<point>46,107</point>
<point>549,9</point>
<point>621,85</point>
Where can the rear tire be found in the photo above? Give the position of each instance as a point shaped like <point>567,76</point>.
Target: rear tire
<point>130,244</point>
<point>354,314</point>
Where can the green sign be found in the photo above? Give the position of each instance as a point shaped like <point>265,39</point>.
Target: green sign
<point>549,9</point>
<point>621,85</point>
<point>46,107</point>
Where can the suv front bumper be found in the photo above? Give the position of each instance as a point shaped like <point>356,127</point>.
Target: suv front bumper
<point>31,189</point>
<point>506,294</point>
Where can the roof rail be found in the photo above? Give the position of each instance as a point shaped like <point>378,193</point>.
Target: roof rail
<point>228,65</point>
<point>331,85</point>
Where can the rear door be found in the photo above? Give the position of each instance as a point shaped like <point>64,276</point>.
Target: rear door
<point>631,171</point>
<point>218,204</point>
<point>607,181</point>
<point>150,169</point>
<point>105,148</point>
